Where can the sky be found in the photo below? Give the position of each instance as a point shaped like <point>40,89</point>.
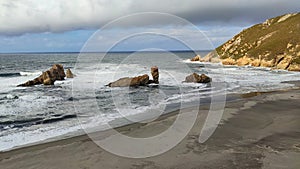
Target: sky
<point>67,25</point>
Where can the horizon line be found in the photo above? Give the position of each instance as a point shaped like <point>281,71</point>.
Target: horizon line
<point>125,51</point>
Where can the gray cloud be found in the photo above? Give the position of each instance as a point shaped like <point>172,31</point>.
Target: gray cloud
<point>33,16</point>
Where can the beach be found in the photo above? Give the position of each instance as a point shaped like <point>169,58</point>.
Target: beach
<point>258,130</point>
<point>131,85</point>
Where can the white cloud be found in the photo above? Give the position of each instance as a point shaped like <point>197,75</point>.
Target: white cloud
<point>29,16</point>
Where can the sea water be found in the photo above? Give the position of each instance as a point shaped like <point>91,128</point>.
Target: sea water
<point>33,114</point>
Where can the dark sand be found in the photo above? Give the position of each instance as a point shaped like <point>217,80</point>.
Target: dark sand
<point>259,130</point>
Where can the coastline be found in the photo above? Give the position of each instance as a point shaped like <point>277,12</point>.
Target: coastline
<point>255,132</point>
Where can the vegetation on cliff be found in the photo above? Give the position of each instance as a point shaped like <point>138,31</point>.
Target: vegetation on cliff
<point>274,43</point>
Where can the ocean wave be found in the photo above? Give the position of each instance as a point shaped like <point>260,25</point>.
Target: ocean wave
<point>9,74</point>
<point>34,121</point>
<point>15,74</point>
<point>30,73</point>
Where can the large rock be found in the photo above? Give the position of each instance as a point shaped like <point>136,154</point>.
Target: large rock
<point>69,74</point>
<point>48,77</point>
<point>195,78</point>
<point>133,81</point>
<point>57,71</point>
<point>155,74</point>
<point>196,58</point>
<point>137,81</point>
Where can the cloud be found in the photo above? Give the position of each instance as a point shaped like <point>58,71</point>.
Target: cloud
<point>74,41</point>
<point>36,16</point>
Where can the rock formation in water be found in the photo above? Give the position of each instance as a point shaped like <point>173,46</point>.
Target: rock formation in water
<point>155,75</point>
<point>195,78</point>
<point>274,43</point>
<point>130,81</point>
<point>48,77</point>
<point>196,58</point>
<point>138,80</point>
<point>69,74</point>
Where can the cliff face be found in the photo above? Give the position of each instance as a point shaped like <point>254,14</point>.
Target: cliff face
<point>274,43</point>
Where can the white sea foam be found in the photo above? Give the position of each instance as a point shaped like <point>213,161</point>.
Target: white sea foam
<point>36,135</point>
<point>30,73</point>
<point>237,79</point>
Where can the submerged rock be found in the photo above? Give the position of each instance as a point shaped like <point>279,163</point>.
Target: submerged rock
<point>48,77</point>
<point>196,78</point>
<point>10,96</point>
<point>69,74</point>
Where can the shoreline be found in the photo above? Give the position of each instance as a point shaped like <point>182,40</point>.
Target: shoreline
<point>219,63</point>
<point>244,133</point>
<point>233,97</point>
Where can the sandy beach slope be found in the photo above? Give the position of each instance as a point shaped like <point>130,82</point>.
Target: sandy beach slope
<point>256,132</point>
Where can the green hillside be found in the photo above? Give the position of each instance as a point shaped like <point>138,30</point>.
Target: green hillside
<point>277,40</point>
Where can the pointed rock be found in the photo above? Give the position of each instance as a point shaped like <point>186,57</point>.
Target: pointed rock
<point>155,74</point>
<point>69,74</point>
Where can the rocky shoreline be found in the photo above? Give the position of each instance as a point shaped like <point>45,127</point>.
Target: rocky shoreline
<point>282,62</point>
<point>274,44</point>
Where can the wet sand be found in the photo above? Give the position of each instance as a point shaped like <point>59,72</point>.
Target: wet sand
<point>259,130</point>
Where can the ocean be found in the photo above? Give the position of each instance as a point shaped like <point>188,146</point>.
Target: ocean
<point>33,114</point>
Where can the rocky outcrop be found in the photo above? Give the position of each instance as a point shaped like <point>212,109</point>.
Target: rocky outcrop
<point>48,77</point>
<point>138,80</point>
<point>211,57</point>
<point>196,58</point>
<point>255,62</point>
<point>274,44</point>
<point>215,60</point>
<point>228,61</point>
<point>134,81</point>
<point>69,74</point>
<point>244,61</point>
<point>57,72</point>
<point>294,67</point>
<point>196,78</point>
<point>284,62</point>
<point>155,75</point>
<point>207,58</point>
